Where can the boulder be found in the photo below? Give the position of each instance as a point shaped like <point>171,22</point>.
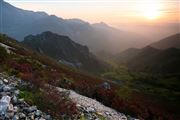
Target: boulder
<point>1,82</point>
<point>14,100</point>
<point>41,119</point>
<point>15,109</point>
<point>1,87</point>
<point>7,88</point>
<point>5,81</point>
<point>22,116</point>
<point>47,117</point>
<point>5,93</point>
<point>90,110</point>
<point>108,114</point>
<point>16,92</point>
<point>32,109</point>
<point>106,85</point>
<point>123,117</point>
<point>10,108</point>
<point>38,113</point>
<point>31,116</point>
<point>4,104</point>
<point>15,117</point>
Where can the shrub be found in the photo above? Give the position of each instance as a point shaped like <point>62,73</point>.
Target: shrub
<point>3,54</point>
<point>12,71</point>
<point>24,67</point>
<point>58,104</point>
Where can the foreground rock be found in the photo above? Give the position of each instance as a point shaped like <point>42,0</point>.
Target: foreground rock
<point>14,108</point>
<point>92,109</point>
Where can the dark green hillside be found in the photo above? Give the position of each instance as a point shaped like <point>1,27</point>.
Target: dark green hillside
<point>169,42</point>
<point>64,50</point>
<point>127,54</point>
<point>151,71</point>
<point>154,61</point>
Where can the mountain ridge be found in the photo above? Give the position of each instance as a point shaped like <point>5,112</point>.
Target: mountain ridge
<point>28,22</point>
<point>153,59</point>
<point>168,42</point>
<point>64,50</point>
<point>157,61</point>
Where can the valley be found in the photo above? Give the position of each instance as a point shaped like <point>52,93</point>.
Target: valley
<point>122,89</point>
<point>55,68</point>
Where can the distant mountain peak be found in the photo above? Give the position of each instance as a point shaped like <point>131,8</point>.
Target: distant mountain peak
<point>52,34</point>
<point>101,24</point>
<point>63,49</point>
<point>149,48</point>
<point>19,23</point>
<point>47,32</point>
<point>76,20</point>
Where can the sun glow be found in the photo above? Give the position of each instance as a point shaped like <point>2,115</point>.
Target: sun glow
<point>113,12</point>
<point>151,9</point>
<point>151,14</point>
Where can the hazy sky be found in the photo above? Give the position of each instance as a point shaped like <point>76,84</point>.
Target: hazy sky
<point>113,12</point>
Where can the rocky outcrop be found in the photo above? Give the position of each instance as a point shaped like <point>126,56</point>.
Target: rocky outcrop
<point>64,50</point>
<point>92,109</point>
<point>14,108</point>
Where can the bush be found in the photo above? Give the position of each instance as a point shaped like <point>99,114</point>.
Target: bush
<point>58,104</point>
<point>3,54</point>
<point>12,71</point>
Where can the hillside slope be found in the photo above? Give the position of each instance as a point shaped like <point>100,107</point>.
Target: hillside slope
<point>126,55</point>
<point>64,50</point>
<point>156,61</point>
<point>161,57</point>
<point>169,42</point>
<point>42,73</point>
<point>39,81</point>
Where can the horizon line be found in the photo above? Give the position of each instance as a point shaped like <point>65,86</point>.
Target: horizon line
<point>79,1</point>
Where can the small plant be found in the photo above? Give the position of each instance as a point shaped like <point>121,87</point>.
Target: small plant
<point>12,71</point>
<point>3,54</point>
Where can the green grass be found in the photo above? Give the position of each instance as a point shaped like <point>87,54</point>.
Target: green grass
<point>31,97</point>
<point>82,117</point>
<point>161,87</point>
<point>100,117</point>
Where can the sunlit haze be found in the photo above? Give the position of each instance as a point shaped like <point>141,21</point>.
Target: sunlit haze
<point>90,59</point>
<point>123,14</point>
<point>109,11</point>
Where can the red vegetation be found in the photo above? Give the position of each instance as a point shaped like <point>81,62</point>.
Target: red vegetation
<point>23,67</point>
<point>140,108</point>
<point>20,52</point>
<point>87,85</point>
<point>57,104</point>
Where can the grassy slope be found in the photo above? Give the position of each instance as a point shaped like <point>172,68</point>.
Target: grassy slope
<point>163,89</point>
<point>40,69</point>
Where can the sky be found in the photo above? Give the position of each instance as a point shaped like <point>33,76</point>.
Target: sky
<point>113,12</point>
<point>155,19</point>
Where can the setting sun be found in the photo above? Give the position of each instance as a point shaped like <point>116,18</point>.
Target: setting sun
<point>151,14</point>
<point>151,9</point>
<point>89,59</point>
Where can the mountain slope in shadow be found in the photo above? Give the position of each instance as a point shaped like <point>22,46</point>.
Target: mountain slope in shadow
<point>64,50</point>
<point>169,42</point>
